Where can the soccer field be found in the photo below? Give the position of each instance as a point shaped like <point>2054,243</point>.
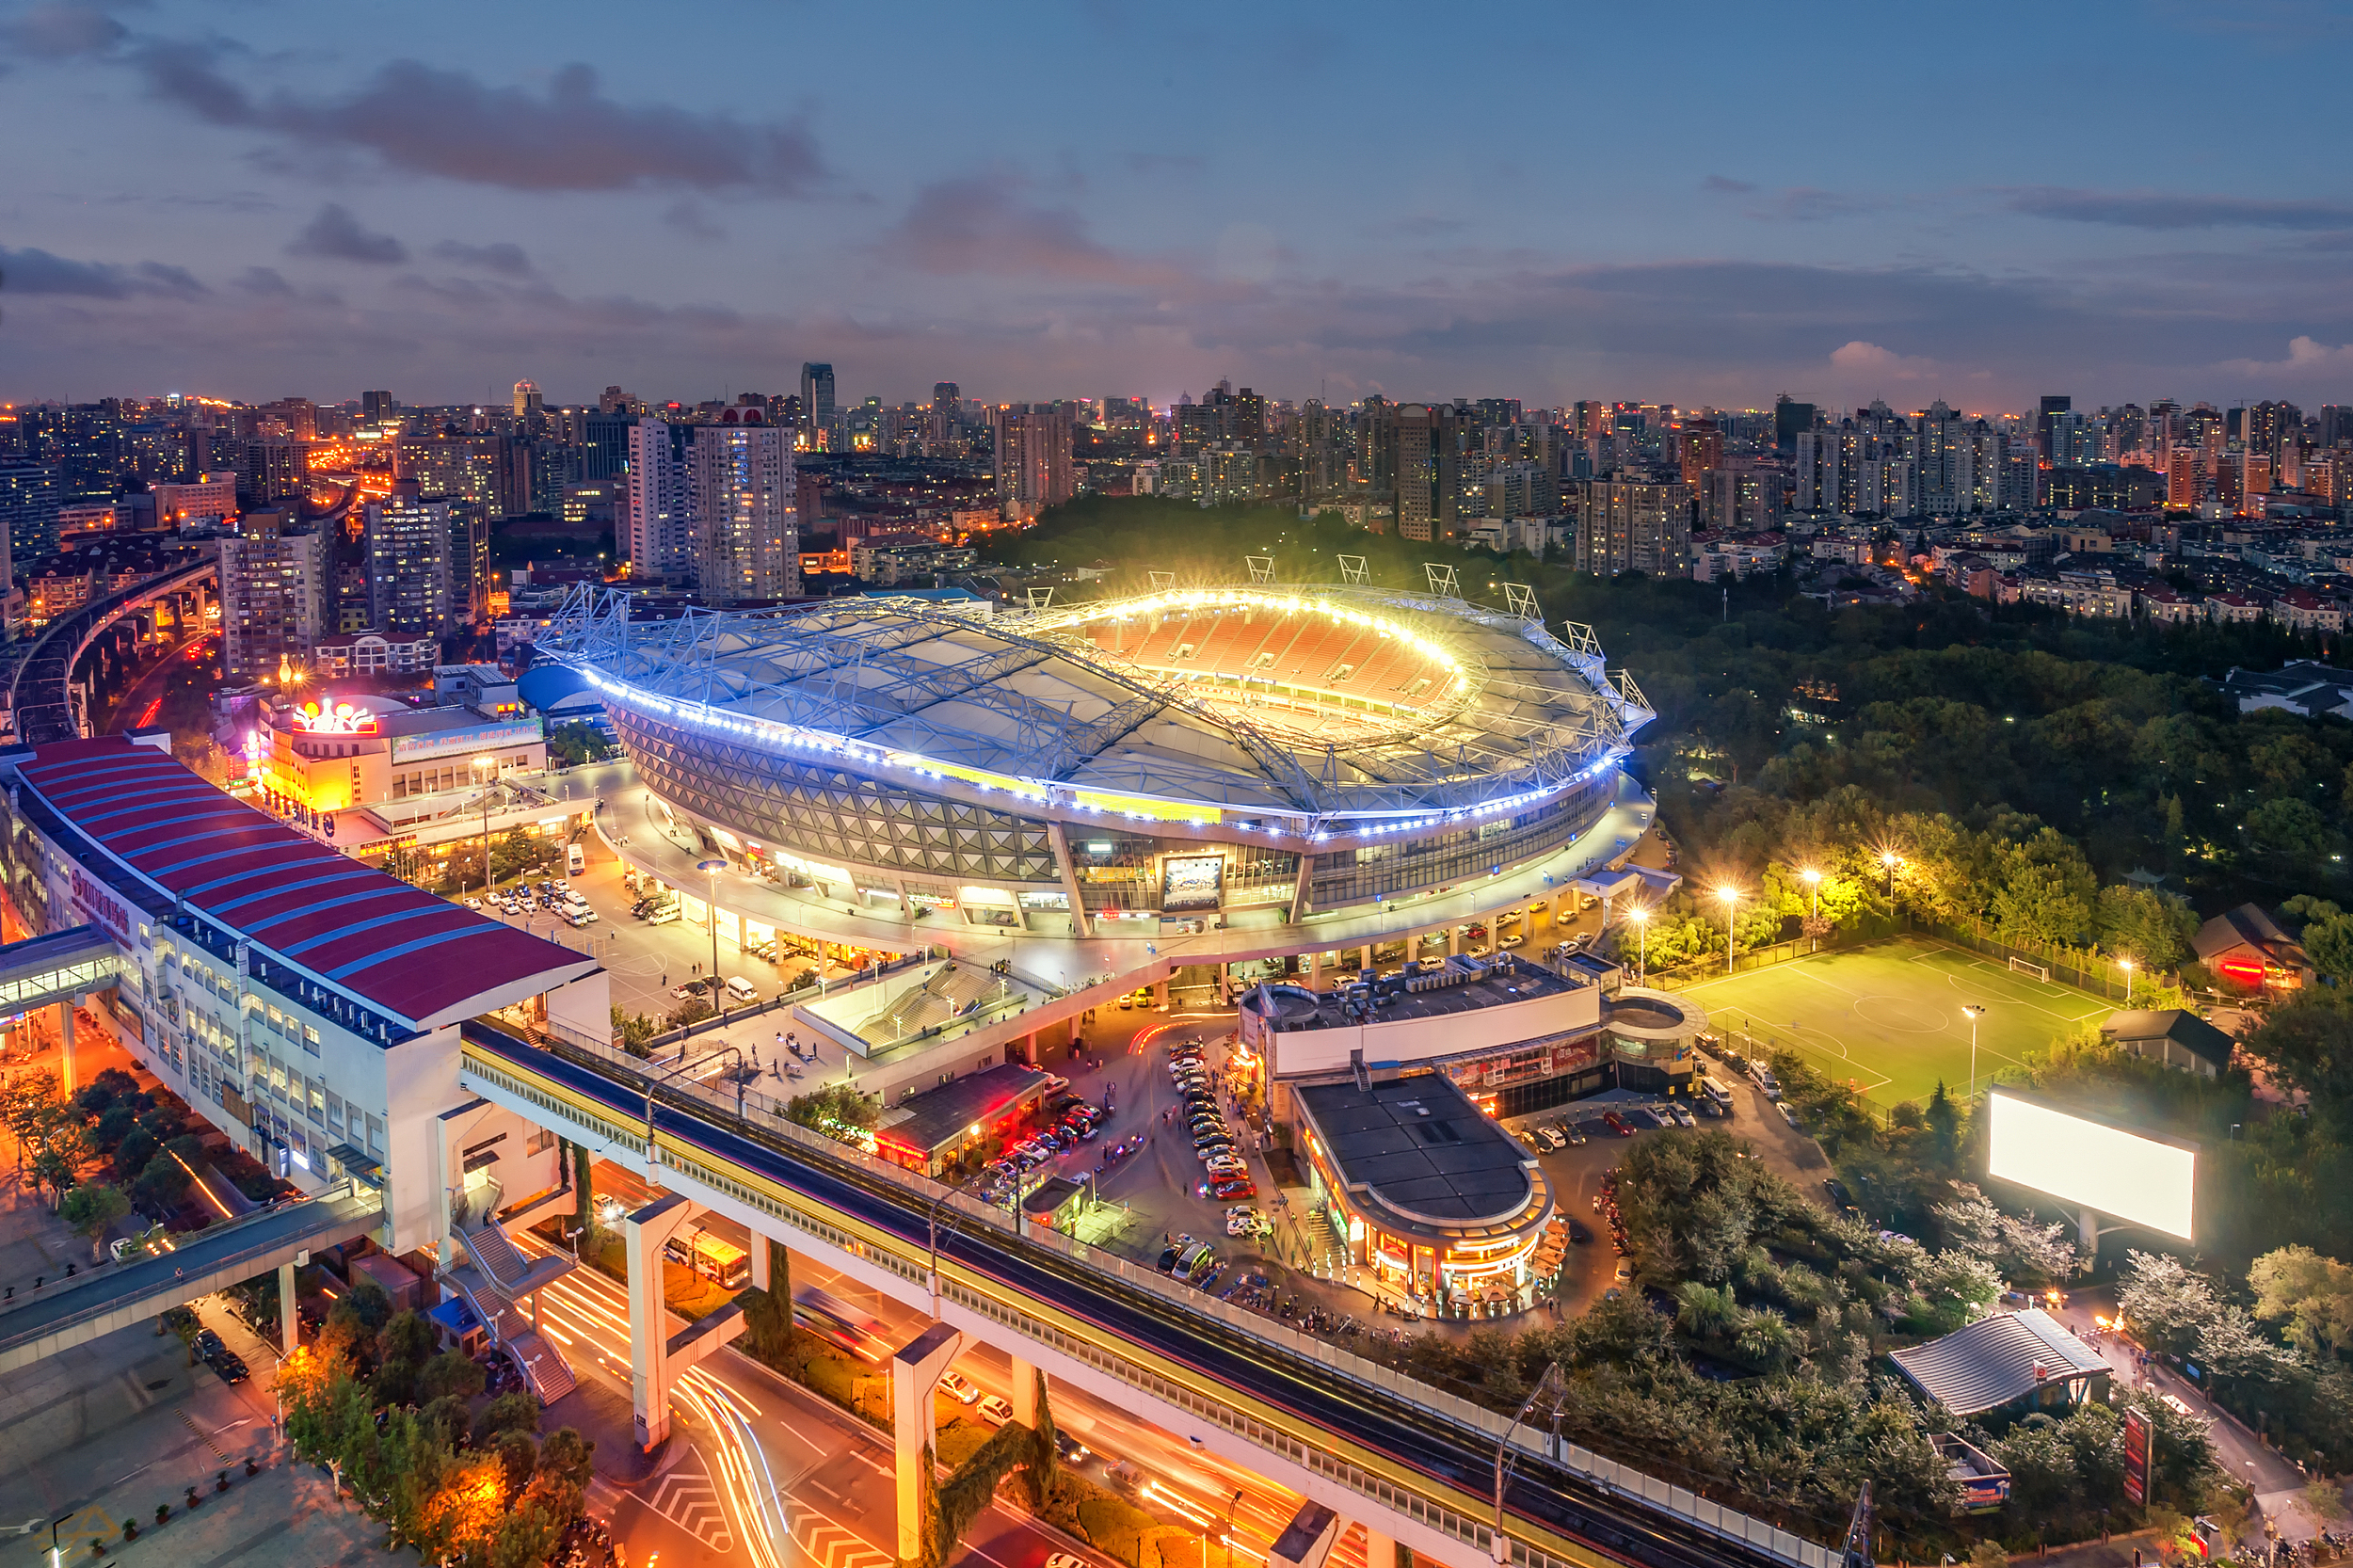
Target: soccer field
<point>1888,1016</point>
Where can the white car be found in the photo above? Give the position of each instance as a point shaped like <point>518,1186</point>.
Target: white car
<point>959,1387</point>
<point>995,1411</point>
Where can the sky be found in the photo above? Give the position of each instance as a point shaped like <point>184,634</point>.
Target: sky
<point>1702,204</point>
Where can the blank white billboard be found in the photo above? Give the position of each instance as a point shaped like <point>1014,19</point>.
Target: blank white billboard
<point>2145,1181</point>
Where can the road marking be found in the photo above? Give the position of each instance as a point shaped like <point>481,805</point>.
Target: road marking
<point>202,1436</point>
<point>685,1496</point>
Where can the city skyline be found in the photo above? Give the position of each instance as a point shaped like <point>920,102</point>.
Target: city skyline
<point>257,204</point>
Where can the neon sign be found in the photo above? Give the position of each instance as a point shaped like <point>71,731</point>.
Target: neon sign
<point>341,718</point>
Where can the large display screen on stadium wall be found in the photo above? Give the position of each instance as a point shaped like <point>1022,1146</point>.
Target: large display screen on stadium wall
<point>2144,1180</point>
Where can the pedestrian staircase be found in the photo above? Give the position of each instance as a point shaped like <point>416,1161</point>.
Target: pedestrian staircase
<point>543,1366</point>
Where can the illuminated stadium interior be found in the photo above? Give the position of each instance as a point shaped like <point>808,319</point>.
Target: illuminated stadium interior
<point>892,749</point>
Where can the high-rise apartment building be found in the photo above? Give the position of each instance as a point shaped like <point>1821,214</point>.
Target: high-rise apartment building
<point>30,496</point>
<point>657,528</point>
<point>746,537</point>
<point>1632,525</point>
<point>818,414</point>
<point>411,583</point>
<point>1428,469</point>
<point>491,471</point>
<point>275,586</point>
<point>1033,458</point>
<point>944,430</point>
<point>1701,449</point>
<point>274,469</point>
<point>2186,476</point>
<point>1744,497</point>
<point>211,498</point>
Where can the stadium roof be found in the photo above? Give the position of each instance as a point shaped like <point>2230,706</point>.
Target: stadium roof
<point>1314,701</point>
<point>419,959</point>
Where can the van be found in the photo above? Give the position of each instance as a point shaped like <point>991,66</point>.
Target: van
<point>1716,1092</point>
<point>579,915</point>
<point>663,914</point>
<point>575,858</point>
<point>740,990</point>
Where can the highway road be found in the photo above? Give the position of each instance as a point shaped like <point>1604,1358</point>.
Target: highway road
<point>1382,1423</point>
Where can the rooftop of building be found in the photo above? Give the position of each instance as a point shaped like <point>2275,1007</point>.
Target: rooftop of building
<point>1418,1149</point>
<point>938,1117</point>
<point>324,915</point>
<point>1998,1360</point>
<point>1454,986</point>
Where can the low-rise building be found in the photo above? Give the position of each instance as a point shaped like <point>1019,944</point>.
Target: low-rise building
<point>369,654</point>
<point>2173,1037</point>
<point>2248,947</point>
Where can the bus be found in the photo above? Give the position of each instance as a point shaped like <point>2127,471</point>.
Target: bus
<point>838,1322</point>
<point>720,1261</point>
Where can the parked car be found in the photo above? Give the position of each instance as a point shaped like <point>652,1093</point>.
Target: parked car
<point>959,1387</point>
<point>1578,1234</point>
<point>995,1411</point>
<point>1175,1249</point>
<point>1762,1076</point>
<point>1550,1137</point>
<point>1840,1198</point>
<point>1233,1188</point>
<point>1682,1113</point>
<point>1616,1123</point>
<point>1788,1116</point>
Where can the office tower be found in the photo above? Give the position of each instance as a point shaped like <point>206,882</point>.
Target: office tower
<point>602,439</point>
<point>376,408</point>
<point>1032,453</point>
<point>527,399</point>
<point>276,584</point>
<point>1631,525</point>
<point>944,430</point>
<point>88,449</point>
<point>469,566</point>
<point>1427,471</point>
<point>411,580</point>
<point>746,537</point>
<point>817,405</point>
<point>2050,405</point>
<point>613,400</point>
<point>2336,423</point>
<point>1789,418</point>
<point>30,495</point>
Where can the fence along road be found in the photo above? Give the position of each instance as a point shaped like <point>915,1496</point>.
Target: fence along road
<point>1212,1361</point>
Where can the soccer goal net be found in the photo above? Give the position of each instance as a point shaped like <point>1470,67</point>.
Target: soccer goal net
<point>2040,971</point>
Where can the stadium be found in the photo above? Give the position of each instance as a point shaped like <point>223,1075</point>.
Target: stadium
<point>1244,759</point>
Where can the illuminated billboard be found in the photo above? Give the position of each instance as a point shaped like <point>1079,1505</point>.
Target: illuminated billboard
<point>2128,1176</point>
<point>1192,881</point>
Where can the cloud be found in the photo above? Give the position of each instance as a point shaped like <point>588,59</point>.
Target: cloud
<point>265,281</point>
<point>693,219</point>
<point>337,235</point>
<point>2145,209</point>
<point>36,271</point>
<point>63,31</point>
<point>1720,185</point>
<point>2306,356</point>
<point>980,223</point>
<point>503,257</point>
<point>427,121</point>
<point>1870,358</point>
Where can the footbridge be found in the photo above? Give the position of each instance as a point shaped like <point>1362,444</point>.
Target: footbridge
<point>1413,1464</point>
<point>66,1313</point>
<point>40,691</point>
<point>63,966</point>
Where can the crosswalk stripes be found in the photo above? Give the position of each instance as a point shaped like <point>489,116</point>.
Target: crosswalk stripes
<point>685,1496</point>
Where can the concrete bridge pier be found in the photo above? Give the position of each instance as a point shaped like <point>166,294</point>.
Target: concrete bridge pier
<point>915,1372</point>
<point>644,1233</point>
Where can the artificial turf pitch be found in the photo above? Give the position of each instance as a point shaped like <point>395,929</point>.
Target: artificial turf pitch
<point>1887,1016</point>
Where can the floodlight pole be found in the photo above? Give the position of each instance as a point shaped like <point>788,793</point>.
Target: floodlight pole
<point>1975,1013</point>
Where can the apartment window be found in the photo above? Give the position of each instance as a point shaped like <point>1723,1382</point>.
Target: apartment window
<point>311,1039</point>
<point>334,1113</point>
<point>375,1134</point>
<point>538,1139</point>
<point>318,1099</point>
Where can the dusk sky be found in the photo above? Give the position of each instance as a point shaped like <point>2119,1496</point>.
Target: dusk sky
<point>1703,205</point>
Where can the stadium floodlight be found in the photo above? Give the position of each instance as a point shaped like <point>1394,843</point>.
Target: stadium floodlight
<point>1975,1013</point>
<point>1041,599</point>
<point>1261,567</point>
<point>2140,1178</point>
<point>1353,572</point>
<point>1520,599</point>
<point>1731,896</point>
<point>1442,581</point>
<point>1162,580</point>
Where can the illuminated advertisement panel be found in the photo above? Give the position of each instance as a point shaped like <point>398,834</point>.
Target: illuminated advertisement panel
<point>1192,881</point>
<point>2131,1176</point>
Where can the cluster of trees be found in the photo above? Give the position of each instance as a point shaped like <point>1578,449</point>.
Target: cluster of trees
<point>837,1110</point>
<point>577,742</point>
<point>2299,1389</point>
<point>135,1134</point>
<point>394,1419</point>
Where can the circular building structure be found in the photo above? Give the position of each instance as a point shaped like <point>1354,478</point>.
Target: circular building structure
<point>1228,759</point>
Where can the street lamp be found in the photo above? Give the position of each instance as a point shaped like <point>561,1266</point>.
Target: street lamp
<point>1814,892</point>
<point>710,870</point>
<point>1640,916</point>
<point>1975,1013</point>
<point>1890,860</point>
<point>2127,966</point>
<point>1732,901</point>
